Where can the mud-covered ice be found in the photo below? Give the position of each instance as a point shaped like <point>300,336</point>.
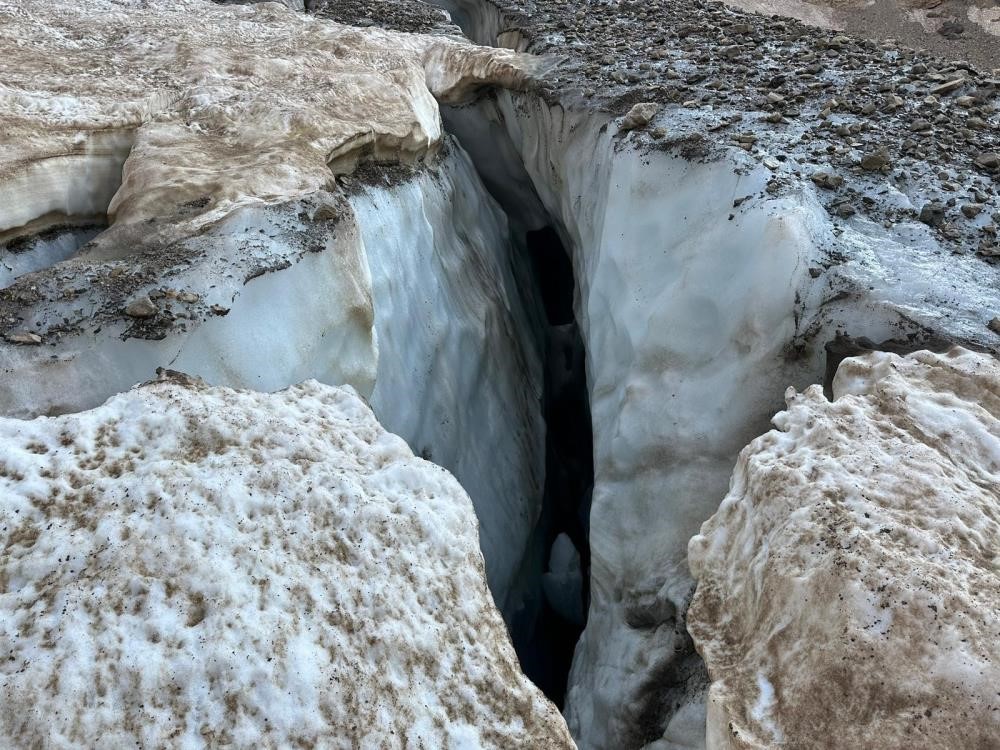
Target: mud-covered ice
<point>847,586</point>
<point>188,566</point>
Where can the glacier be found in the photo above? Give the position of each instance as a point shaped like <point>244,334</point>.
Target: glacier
<point>276,270</point>
<point>700,289</point>
<point>223,213</point>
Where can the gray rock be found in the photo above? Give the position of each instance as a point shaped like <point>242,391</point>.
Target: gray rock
<point>827,180</point>
<point>141,307</point>
<point>932,214</point>
<point>875,161</point>
<point>988,160</point>
<point>640,115</point>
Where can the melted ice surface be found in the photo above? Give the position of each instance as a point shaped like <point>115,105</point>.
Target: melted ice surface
<point>847,586</point>
<point>188,566</point>
<point>217,104</point>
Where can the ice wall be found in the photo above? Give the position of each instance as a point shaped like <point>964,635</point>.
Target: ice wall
<point>404,292</point>
<point>701,294</point>
<point>459,375</point>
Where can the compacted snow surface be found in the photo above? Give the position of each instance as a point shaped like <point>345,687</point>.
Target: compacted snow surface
<point>188,566</point>
<point>847,587</point>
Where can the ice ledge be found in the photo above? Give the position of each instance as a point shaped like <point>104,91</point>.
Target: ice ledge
<point>219,106</point>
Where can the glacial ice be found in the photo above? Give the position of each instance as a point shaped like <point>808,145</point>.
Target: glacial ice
<point>189,565</point>
<point>263,269</point>
<point>847,589</point>
<point>692,311</point>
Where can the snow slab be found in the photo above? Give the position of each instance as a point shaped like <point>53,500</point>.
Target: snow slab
<point>189,566</point>
<point>847,586</point>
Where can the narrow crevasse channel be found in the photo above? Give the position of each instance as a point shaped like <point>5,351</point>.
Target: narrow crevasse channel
<point>546,629</point>
<point>708,280</point>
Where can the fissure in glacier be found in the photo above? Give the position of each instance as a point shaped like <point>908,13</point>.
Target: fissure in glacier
<point>545,635</point>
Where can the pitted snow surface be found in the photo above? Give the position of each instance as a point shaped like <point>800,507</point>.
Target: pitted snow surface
<point>848,593</point>
<point>188,566</point>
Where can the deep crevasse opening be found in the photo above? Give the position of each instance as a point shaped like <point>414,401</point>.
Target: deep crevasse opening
<point>546,629</point>
<point>701,295</point>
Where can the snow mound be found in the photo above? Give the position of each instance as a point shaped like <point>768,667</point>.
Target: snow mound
<point>188,566</point>
<point>847,587</point>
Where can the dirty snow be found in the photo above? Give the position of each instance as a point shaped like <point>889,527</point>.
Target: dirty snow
<point>847,586</point>
<point>188,566</point>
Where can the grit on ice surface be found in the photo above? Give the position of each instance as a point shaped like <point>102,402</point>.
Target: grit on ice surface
<point>209,139</point>
<point>847,586</point>
<point>188,566</point>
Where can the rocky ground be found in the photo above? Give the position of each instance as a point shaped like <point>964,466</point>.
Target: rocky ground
<point>956,29</point>
<point>850,113</point>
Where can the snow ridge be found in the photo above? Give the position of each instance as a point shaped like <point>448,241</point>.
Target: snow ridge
<point>847,588</point>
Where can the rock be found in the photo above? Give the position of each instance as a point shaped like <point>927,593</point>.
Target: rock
<point>188,297</point>
<point>640,116</point>
<point>141,307</point>
<point>971,210</point>
<point>951,29</point>
<point>933,213</point>
<point>892,103</point>
<point>994,325</point>
<point>827,180</point>
<point>875,161</point>
<point>277,565</point>
<point>988,160</point>
<point>848,526</point>
<point>23,337</point>
<point>948,87</point>
<point>845,210</point>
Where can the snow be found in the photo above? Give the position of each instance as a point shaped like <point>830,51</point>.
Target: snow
<point>250,104</point>
<point>265,269</point>
<point>867,525</point>
<point>189,566</point>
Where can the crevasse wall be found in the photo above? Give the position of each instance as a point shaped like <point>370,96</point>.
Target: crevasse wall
<point>458,375</point>
<point>406,295</point>
<point>695,315</point>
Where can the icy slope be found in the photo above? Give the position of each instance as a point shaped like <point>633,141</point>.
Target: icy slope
<point>847,586</point>
<point>189,566</point>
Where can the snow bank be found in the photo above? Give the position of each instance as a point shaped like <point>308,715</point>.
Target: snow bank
<point>847,589</point>
<point>229,105</point>
<point>188,566</point>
